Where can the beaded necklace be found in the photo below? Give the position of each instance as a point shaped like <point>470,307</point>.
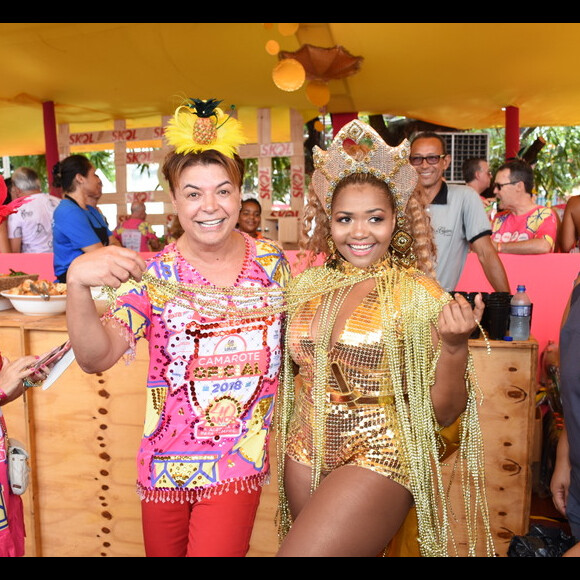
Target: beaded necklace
<point>408,311</point>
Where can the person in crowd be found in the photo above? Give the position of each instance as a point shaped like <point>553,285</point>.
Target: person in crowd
<point>78,227</point>
<point>569,233</point>
<point>135,232</point>
<point>12,386</point>
<point>457,216</point>
<point>13,375</point>
<point>11,194</point>
<point>250,217</point>
<point>382,362</point>
<point>565,483</point>
<point>5,186</point>
<point>8,206</point>
<point>522,226</point>
<point>211,306</point>
<point>477,175</point>
<point>30,228</point>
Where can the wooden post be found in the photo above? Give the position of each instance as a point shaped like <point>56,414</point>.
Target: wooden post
<point>512,132</point>
<point>265,175</point>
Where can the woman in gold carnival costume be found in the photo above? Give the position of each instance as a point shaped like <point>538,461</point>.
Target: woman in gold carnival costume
<point>383,365</point>
<point>211,307</point>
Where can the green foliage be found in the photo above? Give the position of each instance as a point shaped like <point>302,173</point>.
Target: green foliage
<point>557,172</point>
<point>36,162</point>
<point>103,160</point>
<point>281,187</point>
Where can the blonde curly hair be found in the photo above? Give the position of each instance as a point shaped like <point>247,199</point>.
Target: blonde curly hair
<point>315,230</point>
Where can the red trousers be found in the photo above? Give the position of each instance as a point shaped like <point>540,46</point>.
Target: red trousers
<point>219,526</point>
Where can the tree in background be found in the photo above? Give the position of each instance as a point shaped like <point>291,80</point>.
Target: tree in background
<point>557,171</point>
<point>102,160</point>
<point>557,167</point>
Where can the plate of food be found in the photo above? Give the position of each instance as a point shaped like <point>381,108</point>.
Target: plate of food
<point>37,297</point>
<point>11,280</point>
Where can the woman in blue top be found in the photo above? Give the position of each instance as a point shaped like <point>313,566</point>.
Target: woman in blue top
<point>77,227</point>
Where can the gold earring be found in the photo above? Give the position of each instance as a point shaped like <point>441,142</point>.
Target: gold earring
<point>332,258</point>
<point>402,246</point>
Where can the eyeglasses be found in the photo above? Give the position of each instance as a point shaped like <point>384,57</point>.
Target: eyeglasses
<point>498,186</point>
<point>431,159</point>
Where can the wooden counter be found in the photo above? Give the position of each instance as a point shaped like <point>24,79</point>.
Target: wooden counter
<point>83,434</point>
<point>507,378</point>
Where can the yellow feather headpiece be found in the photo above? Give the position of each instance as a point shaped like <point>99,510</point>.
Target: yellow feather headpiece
<point>201,125</point>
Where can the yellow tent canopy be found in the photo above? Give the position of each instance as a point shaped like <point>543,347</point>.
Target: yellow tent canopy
<point>455,74</point>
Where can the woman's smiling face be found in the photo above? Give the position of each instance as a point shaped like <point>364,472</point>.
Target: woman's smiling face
<point>362,223</point>
<point>207,203</point>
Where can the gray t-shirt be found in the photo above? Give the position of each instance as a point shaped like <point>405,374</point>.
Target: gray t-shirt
<point>458,219</point>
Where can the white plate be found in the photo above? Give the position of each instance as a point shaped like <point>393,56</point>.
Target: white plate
<point>36,305</point>
<point>5,304</point>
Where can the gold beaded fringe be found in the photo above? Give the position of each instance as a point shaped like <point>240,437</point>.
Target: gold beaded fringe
<point>408,310</point>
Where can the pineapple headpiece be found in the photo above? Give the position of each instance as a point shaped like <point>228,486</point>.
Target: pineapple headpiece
<point>200,125</point>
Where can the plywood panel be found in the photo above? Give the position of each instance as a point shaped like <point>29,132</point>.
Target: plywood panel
<point>84,433</point>
<point>88,429</point>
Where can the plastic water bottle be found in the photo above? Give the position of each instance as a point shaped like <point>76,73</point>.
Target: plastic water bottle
<point>520,314</point>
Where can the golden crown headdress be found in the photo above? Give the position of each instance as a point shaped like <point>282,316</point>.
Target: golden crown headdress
<point>358,148</point>
<point>200,125</point>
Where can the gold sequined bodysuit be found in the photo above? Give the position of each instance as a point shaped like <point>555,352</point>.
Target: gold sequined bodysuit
<point>365,399</point>
<point>358,430</point>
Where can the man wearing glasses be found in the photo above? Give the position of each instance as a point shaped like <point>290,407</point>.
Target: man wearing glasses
<point>523,227</point>
<point>457,215</point>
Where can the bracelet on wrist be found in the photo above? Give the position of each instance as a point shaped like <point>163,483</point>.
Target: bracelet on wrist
<point>28,383</point>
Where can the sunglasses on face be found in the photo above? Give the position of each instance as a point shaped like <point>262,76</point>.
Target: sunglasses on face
<point>431,159</point>
<point>498,186</point>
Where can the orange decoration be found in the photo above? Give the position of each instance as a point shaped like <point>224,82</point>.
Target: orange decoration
<point>287,28</point>
<point>272,47</point>
<point>319,126</point>
<point>325,64</point>
<point>318,93</point>
<point>289,75</point>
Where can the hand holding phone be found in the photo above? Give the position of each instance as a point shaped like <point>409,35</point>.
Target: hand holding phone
<point>43,365</point>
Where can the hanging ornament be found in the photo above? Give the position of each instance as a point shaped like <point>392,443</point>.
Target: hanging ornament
<point>272,47</point>
<point>287,28</point>
<point>289,75</point>
<point>325,64</point>
<point>318,93</point>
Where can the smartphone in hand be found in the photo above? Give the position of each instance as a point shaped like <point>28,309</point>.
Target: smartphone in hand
<point>48,360</point>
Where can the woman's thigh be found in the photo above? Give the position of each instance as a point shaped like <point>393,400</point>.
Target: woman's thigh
<point>353,512</point>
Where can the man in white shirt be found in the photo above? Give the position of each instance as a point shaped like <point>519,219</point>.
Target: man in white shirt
<point>30,228</point>
<point>459,221</point>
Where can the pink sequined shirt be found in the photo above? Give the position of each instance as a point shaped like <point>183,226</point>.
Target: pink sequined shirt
<point>211,383</point>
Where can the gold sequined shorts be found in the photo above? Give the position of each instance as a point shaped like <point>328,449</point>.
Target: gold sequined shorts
<point>366,436</point>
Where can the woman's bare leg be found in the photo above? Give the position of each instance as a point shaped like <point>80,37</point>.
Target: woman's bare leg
<point>353,512</point>
<point>297,481</point>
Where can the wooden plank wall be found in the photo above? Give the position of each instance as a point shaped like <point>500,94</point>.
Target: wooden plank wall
<point>122,140</point>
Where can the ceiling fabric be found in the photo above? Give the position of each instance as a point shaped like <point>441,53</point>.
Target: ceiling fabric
<point>453,74</point>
